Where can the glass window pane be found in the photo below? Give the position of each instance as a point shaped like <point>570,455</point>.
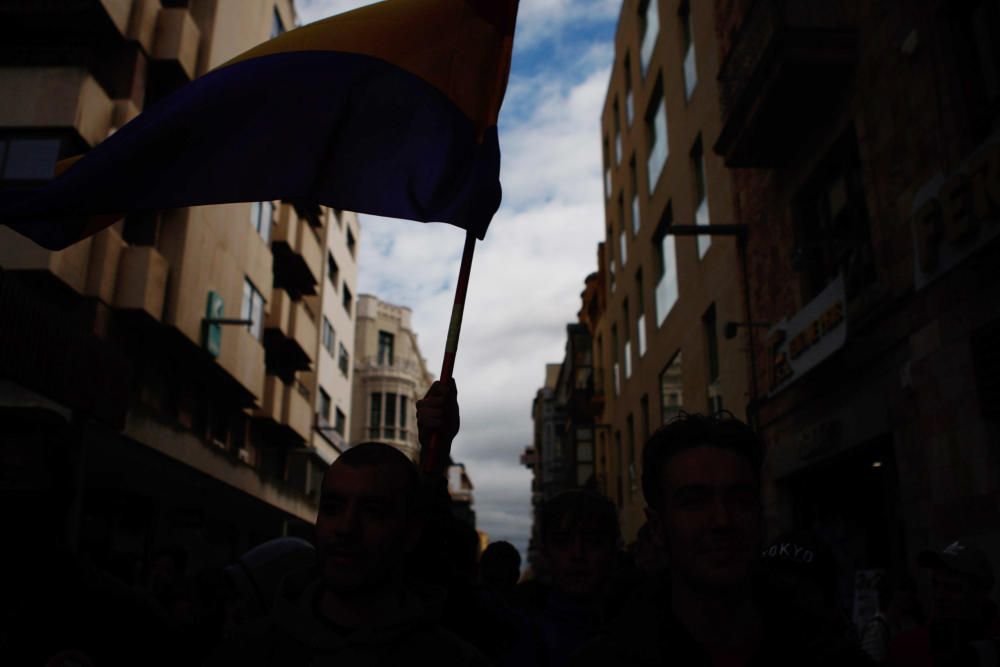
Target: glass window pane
<point>690,72</point>
<point>666,288</point>
<point>31,159</point>
<point>651,28</point>
<point>402,412</point>
<point>266,218</point>
<point>671,389</point>
<point>255,215</point>
<point>245,306</point>
<point>390,409</point>
<point>658,143</point>
<point>375,411</point>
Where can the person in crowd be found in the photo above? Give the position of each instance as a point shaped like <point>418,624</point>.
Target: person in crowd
<point>701,482</point>
<point>500,569</point>
<point>796,588</point>
<point>56,607</point>
<point>580,540</point>
<point>254,578</point>
<point>359,610</point>
<point>877,632</point>
<point>964,621</point>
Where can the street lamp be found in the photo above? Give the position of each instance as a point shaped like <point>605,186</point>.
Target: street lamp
<point>740,232</point>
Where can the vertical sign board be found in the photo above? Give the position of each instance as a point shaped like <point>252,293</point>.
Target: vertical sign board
<point>212,333</point>
<point>954,215</point>
<point>800,343</point>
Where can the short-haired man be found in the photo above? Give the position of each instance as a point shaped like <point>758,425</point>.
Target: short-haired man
<point>964,621</point>
<point>358,610</point>
<point>701,481</point>
<point>580,536</point>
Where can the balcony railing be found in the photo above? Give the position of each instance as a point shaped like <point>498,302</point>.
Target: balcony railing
<point>403,366</point>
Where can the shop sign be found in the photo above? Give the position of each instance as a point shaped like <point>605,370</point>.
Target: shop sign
<point>212,332</point>
<point>799,344</point>
<point>953,215</point>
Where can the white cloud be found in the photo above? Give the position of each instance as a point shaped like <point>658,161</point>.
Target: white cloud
<point>528,274</point>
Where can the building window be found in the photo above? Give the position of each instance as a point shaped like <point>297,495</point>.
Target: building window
<point>332,270</point>
<point>344,361</point>
<point>386,343</point>
<point>671,390</point>
<point>347,300</point>
<point>656,135</point>
<point>390,416</point>
<point>666,264</point>
<point>628,340</point>
<point>690,67</point>
<point>649,28</point>
<point>622,238</point>
<point>614,359</point>
<point>832,229</point>
<point>351,243</point>
<point>640,323</point>
<point>403,405</point>
<point>618,133</point>
<point>261,218</point>
<point>710,327</point>
<point>141,228</point>
<point>634,189</point>
<point>633,486</point>
<point>324,407</point>
<point>252,309</point>
<point>607,170</point>
<point>340,423</point>
<point>701,216</point>
<point>375,416</point>
<point>29,158</point>
<point>629,100</point>
<point>327,336</point>
<point>277,26</point>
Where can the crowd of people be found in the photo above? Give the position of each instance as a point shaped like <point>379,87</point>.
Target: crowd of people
<point>391,577</point>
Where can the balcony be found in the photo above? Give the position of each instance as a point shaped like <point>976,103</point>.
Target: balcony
<point>289,336</point>
<point>296,411</point>
<point>784,74</point>
<point>18,253</point>
<point>400,369</point>
<point>176,40</point>
<point>57,98</point>
<point>273,399</point>
<point>298,259</point>
<point>143,22</point>
<point>102,270</point>
<point>142,281</point>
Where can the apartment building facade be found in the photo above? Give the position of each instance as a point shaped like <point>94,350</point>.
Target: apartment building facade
<point>863,144</point>
<point>186,428</point>
<point>660,336</point>
<point>390,376</point>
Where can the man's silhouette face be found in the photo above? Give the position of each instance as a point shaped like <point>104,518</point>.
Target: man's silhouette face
<point>363,530</point>
<point>709,520</point>
<point>580,558</point>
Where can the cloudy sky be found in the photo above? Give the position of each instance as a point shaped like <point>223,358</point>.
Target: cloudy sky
<point>529,272</point>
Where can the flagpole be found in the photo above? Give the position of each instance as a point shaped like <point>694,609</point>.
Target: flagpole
<point>437,453</point>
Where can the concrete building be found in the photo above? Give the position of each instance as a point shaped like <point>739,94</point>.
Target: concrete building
<point>543,456</point>
<point>865,160</point>
<point>390,375</point>
<point>183,430</point>
<point>668,299</point>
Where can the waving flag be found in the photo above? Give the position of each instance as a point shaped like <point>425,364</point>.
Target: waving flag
<point>390,109</point>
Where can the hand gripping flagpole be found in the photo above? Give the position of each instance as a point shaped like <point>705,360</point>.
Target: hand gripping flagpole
<point>437,452</point>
